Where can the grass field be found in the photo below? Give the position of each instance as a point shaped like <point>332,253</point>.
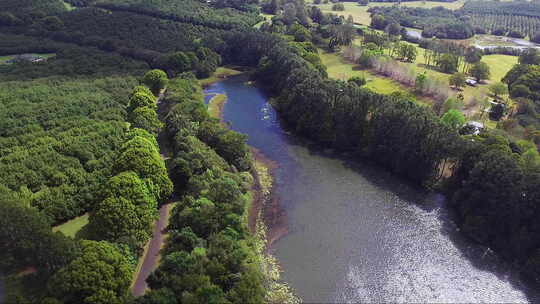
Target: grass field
<point>220,74</point>
<point>71,227</point>
<point>361,15</point>
<point>338,68</point>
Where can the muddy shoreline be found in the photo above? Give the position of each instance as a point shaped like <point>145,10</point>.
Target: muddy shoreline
<point>267,205</point>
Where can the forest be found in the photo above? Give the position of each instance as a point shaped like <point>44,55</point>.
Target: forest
<point>435,22</point>
<point>80,136</point>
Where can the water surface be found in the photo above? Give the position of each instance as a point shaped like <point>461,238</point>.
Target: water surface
<point>356,233</point>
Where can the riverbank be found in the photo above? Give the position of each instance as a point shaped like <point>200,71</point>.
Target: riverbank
<point>220,74</point>
<point>263,201</point>
<point>215,106</point>
<point>356,233</point>
<point>265,218</point>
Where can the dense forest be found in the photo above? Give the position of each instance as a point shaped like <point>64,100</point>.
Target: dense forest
<point>79,135</point>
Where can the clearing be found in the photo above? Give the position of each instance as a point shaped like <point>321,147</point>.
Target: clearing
<point>71,227</point>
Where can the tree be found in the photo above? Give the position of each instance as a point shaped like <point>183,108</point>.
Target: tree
<point>142,157</point>
<point>146,118</point>
<point>101,275</point>
<point>338,7</point>
<point>420,82</point>
<point>536,37</point>
<point>457,80</point>
<point>358,80</point>
<point>131,187</point>
<point>26,240</point>
<point>363,2</point>
<point>116,219</point>
<point>454,119</point>
<point>448,63</point>
<point>480,71</point>
<point>300,33</point>
<point>156,80</point>
<point>289,13</point>
<point>516,34</point>
<point>529,56</point>
<point>407,52</point>
<point>498,89</point>
<point>181,62</point>
<point>393,29</point>
<point>140,99</point>
<point>497,111</point>
<point>378,22</point>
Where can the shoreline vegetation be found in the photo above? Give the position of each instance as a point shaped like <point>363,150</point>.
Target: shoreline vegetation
<point>264,219</point>
<point>215,106</point>
<point>264,233</point>
<point>220,74</point>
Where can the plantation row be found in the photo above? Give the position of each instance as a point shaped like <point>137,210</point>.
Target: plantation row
<point>515,8</point>
<point>507,25</point>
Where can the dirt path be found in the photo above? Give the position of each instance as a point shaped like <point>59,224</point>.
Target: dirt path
<point>152,254</point>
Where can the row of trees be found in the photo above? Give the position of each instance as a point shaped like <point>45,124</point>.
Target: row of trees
<point>188,11</point>
<point>209,256</point>
<point>435,22</point>
<point>507,25</point>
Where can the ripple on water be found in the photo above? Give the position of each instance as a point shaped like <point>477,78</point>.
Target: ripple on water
<point>357,234</point>
<point>425,267</point>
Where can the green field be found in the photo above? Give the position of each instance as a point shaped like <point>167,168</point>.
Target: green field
<point>338,68</point>
<point>70,228</point>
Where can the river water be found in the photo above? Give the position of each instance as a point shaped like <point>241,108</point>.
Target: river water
<point>358,234</point>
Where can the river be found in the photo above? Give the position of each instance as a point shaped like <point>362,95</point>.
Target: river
<point>358,234</point>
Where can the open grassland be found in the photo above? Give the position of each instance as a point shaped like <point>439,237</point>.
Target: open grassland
<point>338,68</point>
<point>71,227</point>
<point>362,16</point>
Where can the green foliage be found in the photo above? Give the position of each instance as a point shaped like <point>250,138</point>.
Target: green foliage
<point>453,118</point>
<point>529,56</point>
<point>338,7</point>
<point>300,33</point>
<point>142,157</point>
<point>141,99</point>
<point>28,8</point>
<point>26,239</point>
<point>156,80</point>
<point>146,118</point>
<point>100,275</point>
<point>188,11</point>
<point>519,18</point>
<point>457,80</point>
<point>118,219</point>
<point>498,89</point>
<point>58,140</point>
<point>407,52</point>
<point>448,63</point>
<point>480,71</point>
<point>358,80</point>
